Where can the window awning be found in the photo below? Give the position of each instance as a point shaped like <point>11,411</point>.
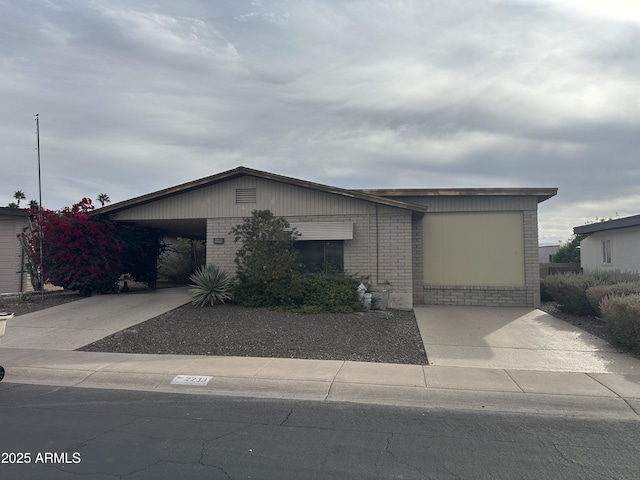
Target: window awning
<point>324,230</point>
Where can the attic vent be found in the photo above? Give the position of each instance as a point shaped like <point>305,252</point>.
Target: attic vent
<point>246,195</point>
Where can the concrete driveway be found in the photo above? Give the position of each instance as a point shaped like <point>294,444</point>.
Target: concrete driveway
<point>515,338</point>
<point>78,323</point>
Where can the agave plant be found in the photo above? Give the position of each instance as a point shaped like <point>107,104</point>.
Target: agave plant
<point>210,285</point>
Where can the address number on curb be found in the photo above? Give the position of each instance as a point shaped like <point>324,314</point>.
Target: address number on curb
<point>191,380</point>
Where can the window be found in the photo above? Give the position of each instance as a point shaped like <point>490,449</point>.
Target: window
<point>606,251</point>
<point>320,254</point>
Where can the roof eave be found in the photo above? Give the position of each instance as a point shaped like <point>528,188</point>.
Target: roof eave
<point>627,222</point>
<point>542,194</point>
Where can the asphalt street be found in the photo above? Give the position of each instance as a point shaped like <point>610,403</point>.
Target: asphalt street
<point>69,433</point>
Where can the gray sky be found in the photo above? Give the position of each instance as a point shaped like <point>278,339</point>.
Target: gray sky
<point>137,96</point>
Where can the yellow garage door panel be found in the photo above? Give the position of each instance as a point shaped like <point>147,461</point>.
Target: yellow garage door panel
<point>474,249</point>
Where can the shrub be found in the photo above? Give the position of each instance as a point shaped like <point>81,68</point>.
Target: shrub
<point>328,292</point>
<point>267,262</point>
<point>210,285</point>
<point>569,289</point>
<point>611,277</point>
<point>185,257</point>
<point>545,296</point>
<point>621,315</point>
<point>597,293</point>
<point>80,252</point>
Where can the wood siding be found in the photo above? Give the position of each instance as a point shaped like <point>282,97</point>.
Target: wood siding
<point>10,253</point>
<point>219,201</point>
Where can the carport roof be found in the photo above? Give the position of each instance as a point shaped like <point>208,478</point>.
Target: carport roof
<point>241,171</point>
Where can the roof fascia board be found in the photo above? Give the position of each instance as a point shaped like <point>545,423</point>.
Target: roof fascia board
<point>625,222</point>
<point>542,194</point>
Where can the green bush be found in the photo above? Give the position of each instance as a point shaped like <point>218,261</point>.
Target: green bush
<point>267,262</point>
<point>210,285</point>
<point>597,293</point>
<point>327,292</point>
<point>270,272</point>
<point>570,289</point>
<point>545,296</point>
<point>185,257</point>
<point>621,315</point>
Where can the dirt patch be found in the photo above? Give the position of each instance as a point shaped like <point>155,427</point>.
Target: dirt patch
<point>593,325</point>
<point>32,302</point>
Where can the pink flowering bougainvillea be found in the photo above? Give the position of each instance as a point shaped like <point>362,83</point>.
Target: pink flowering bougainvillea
<point>81,252</point>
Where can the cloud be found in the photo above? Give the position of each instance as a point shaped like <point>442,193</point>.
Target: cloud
<point>365,94</point>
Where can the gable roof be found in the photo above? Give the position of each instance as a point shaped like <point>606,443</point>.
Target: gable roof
<point>242,171</point>
<point>625,222</point>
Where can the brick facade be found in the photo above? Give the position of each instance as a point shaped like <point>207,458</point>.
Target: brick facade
<point>380,252</point>
<point>529,295</point>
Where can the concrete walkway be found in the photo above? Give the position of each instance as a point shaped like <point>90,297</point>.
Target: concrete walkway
<point>76,324</point>
<point>499,388</point>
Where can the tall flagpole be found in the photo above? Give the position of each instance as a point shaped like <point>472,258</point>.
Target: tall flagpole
<point>37,115</point>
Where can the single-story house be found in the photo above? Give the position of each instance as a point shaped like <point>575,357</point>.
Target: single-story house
<point>471,246</point>
<point>613,244</point>
<point>13,279</point>
<point>546,252</point>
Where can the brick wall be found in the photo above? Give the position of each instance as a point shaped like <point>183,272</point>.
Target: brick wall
<point>481,296</point>
<point>380,252</point>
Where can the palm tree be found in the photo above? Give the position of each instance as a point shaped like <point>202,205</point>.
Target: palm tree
<point>34,204</point>
<point>19,195</point>
<point>103,198</point>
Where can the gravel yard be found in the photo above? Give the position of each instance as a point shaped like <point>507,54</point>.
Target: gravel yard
<point>390,337</point>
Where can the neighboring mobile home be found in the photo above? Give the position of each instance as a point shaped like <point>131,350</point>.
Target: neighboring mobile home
<point>614,244</point>
<point>474,246</point>
<point>13,221</point>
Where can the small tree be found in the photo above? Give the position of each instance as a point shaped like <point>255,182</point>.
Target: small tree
<point>569,252</point>
<point>267,262</point>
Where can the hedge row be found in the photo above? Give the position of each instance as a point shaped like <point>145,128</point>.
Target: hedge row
<point>612,295</point>
<point>569,290</point>
<point>621,315</point>
<point>596,294</point>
